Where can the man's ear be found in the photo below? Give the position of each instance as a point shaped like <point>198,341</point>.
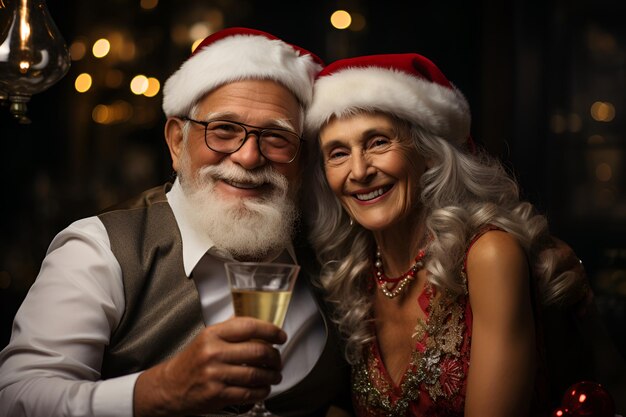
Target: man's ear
<point>174,139</point>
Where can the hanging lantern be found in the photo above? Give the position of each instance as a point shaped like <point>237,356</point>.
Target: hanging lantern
<point>33,54</point>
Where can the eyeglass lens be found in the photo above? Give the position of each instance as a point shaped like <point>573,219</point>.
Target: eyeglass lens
<point>275,144</point>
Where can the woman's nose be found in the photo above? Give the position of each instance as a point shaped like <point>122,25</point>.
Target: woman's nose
<point>361,169</point>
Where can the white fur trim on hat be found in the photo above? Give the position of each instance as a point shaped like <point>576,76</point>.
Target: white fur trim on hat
<point>236,58</point>
<point>440,110</point>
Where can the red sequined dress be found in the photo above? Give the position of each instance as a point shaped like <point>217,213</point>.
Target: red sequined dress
<point>435,379</point>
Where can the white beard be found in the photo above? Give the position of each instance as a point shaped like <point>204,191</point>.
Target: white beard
<point>248,228</point>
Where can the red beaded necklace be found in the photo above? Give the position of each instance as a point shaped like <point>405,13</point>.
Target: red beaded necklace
<point>392,287</point>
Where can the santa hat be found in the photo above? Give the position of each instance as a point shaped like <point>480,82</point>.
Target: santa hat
<point>408,86</point>
<point>237,54</point>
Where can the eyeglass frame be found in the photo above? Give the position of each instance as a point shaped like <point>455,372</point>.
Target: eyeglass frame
<point>258,132</point>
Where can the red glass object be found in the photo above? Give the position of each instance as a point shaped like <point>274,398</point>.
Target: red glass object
<point>587,399</point>
<point>561,412</point>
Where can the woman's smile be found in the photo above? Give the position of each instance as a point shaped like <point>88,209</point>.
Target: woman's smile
<point>372,196</point>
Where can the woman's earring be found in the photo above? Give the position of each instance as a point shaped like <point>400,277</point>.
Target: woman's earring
<point>351,222</point>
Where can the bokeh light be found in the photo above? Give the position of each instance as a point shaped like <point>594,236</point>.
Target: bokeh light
<point>602,111</point>
<point>153,87</point>
<point>340,19</point>
<point>100,114</point>
<point>139,84</point>
<point>148,4</point>
<point>83,82</point>
<point>195,44</point>
<point>101,48</point>
<point>358,22</point>
<point>117,112</point>
<point>78,49</point>
<point>199,31</point>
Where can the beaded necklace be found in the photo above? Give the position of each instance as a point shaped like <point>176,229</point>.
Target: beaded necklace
<point>392,287</point>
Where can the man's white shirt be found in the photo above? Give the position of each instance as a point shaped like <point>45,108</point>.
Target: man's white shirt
<point>52,364</point>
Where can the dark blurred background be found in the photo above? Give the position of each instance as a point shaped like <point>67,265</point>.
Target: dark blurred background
<point>546,81</point>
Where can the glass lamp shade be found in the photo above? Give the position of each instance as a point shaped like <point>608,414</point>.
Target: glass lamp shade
<point>33,54</point>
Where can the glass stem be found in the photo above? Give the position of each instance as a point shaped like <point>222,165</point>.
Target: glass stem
<point>259,409</point>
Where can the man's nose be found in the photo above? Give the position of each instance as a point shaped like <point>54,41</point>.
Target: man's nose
<point>249,155</point>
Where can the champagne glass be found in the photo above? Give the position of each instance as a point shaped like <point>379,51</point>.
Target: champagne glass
<point>261,290</point>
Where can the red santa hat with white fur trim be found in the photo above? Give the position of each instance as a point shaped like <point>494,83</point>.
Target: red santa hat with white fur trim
<point>237,54</point>
<point>409,86</point>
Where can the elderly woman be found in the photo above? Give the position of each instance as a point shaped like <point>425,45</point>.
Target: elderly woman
<point>432,262</point>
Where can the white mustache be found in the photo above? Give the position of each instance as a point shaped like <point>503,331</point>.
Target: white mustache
<point>237,174</point>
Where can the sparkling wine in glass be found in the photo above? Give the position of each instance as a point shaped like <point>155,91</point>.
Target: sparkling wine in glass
<point>261,290</point>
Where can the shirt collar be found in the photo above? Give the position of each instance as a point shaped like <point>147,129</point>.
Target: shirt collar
<point>195,243</point>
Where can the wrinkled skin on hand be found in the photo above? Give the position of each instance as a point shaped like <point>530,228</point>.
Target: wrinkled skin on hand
<point>229,363</point>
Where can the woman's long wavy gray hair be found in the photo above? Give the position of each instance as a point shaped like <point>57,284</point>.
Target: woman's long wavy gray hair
<point>461,194</point>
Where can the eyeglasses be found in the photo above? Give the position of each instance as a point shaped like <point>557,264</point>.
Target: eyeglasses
<point>225,136</point>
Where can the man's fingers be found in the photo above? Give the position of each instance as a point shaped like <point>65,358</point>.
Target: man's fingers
<point>253,353</point>
<point>241,329</point>
<point>238,395</point>
<point>241,341</point>
<point>250,376</point>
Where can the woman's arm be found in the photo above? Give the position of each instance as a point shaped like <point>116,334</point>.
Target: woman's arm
<point>502,358</point>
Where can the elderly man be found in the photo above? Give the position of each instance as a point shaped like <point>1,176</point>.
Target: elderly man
<point>131,313</point>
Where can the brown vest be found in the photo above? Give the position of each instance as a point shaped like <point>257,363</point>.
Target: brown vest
<point>163,311</point>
